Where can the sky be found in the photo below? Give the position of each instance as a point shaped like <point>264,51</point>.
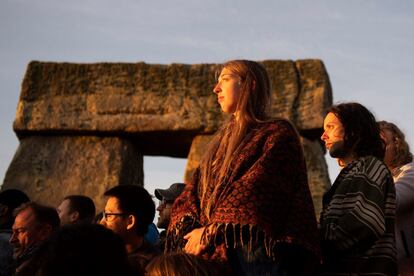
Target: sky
<point>366,46</point>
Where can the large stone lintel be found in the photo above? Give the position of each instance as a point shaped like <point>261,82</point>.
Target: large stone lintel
<point>139,98</point>
<point>84,128</point>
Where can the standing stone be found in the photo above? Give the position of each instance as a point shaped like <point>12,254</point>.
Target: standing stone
<point>48,168</point>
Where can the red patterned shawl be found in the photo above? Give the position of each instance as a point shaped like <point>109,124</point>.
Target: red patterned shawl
<point>267,190</point>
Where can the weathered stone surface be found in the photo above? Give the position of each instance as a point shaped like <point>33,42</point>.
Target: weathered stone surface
<point>114,113</point>
<point>318,176</point>
<point>315,95</point>
<point>132,98</point>
<point>119,97</point>
<point>48,168</point>
<point>197,150</point>
<point>317,170</point>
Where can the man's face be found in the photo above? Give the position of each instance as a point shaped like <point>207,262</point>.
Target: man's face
<point>65,212</point>
<point>115,219</point>
<point>164,210</point>
<point>26,232</point>
<point>333,136</point>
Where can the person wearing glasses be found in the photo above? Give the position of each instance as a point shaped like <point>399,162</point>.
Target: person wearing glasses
<point>166,198</point>
<point>129,211</point>
<point>33,226</point>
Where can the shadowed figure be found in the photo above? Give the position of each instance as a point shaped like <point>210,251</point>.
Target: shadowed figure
<point>86,249</point>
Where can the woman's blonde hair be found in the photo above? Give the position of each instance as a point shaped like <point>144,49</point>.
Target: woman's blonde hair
<point>182,264</point>
<point>253,107</point>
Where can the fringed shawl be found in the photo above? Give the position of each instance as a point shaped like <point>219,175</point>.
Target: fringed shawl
<point>266,195</point>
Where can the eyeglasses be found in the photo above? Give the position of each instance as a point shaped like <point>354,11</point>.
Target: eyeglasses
<point>111,216</point>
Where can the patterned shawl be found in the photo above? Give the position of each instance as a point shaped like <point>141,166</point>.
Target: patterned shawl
<point>266,195</point>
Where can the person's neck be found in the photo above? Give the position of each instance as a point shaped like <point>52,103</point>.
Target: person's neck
<point>343,162</point>
<point>134,243</point>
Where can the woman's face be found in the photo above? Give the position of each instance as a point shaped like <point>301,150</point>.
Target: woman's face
<point>228,89</point>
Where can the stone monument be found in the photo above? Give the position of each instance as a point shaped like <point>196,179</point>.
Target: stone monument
<point>84,128</point>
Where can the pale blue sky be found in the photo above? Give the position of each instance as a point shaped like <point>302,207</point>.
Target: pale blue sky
<point>367,47</point>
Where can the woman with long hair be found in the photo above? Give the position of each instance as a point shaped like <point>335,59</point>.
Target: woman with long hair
<point>248,204</point>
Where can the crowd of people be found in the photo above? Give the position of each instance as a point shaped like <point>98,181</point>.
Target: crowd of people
<point>247,210</point>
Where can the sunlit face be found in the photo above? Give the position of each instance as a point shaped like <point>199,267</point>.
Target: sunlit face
<point>228,89</point>
<point>390,149</point>
<point>333,135</point>
<point>26,232</point>
<point>115,219</point>
<point>164,210</point>
<point>64,211</point>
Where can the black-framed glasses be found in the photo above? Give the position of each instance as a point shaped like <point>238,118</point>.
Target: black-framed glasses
<point>111,216</point>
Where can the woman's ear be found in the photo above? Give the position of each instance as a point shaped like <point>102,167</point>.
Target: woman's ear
<point>131,222</point>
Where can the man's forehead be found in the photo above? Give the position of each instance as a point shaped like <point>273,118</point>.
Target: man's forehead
<point>24,218</point>
<point>331,118</point>
<point>65,203</point>
<point>113,203</point>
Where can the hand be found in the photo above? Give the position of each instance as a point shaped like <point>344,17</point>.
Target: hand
<point>194,244</point>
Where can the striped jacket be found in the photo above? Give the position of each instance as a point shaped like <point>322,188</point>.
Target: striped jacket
<point>357,221</point>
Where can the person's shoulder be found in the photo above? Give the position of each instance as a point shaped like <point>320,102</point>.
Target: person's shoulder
<point>406,171</point>
<point>373,169</point>
<point>409,167</point>
<point>373,161</point>
<point>367,163</point>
